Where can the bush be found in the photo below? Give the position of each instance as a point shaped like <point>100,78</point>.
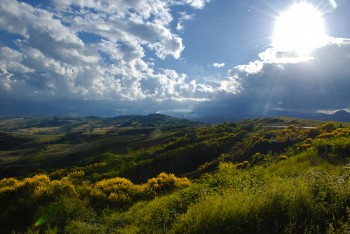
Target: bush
<point>285,206</point>
<point>164,183</point>
<point>335,150</point>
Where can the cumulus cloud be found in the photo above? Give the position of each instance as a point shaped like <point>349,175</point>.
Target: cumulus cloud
<point>11,61</point>
<point>199,4</point>
<point>52,55</point>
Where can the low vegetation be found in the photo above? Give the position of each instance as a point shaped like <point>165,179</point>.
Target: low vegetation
<point>245,177</point>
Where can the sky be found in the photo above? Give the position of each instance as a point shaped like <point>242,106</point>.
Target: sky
<point>186,58</point>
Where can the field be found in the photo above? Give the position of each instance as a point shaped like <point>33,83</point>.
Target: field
<point>158,174</point>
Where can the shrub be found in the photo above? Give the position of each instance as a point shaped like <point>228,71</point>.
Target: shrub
<point>116,185</point>
<point>165,183</point>
<point>335,150</point>
<point>118,191</point>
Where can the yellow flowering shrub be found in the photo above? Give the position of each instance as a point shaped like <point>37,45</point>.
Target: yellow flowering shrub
<point>9,184</point>
<point>166,182</point>
<point>117,185</point>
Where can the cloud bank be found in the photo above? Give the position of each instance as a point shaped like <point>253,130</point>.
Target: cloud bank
<point>95,50</point>
<point>284,81</point>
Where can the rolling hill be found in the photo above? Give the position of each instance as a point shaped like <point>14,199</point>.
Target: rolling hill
<point>37,143</point>
<point>159,174</point>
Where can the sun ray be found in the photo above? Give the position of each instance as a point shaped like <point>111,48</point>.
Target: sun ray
<point>300,29</point>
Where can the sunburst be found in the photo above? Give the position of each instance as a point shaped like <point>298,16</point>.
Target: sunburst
<point>300,29</point>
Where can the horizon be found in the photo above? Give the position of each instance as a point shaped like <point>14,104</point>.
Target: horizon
<point>338,116</point>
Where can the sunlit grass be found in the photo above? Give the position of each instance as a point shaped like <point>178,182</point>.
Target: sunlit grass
<point>249,179</point>
<point>43,130</point>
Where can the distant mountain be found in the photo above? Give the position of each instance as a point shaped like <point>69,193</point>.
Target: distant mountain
<point>16,108</point>
<point>151,120</point>
<point>339,116</point>
<point>70,122</point>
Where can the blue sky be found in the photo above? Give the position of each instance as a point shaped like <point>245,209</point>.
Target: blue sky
<point>179,57</point>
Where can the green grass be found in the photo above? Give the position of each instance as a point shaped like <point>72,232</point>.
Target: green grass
<point>43,130</point>
<point>77,142</point>
<point>246,178</point>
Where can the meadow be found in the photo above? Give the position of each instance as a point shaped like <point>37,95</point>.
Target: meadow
<point>157,174</point>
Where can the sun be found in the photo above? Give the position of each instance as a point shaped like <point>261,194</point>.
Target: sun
<point>300,29</point>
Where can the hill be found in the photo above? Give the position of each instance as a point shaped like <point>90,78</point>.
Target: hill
<point>158,174</point>
<point>43,143</point>
<point>339,116</point>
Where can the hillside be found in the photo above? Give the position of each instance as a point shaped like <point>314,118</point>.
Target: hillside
<point>39,143</point>
<point>158,174</point>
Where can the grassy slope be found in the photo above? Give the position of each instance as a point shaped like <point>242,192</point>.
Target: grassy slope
<point>247,178</point>
<point>304,192</point>
<point>31,144</point>
<point>143,146</point>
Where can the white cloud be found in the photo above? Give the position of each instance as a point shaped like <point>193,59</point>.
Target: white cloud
<point>183,17</point>
<point>218,65</point>
<point>231,85</point>
<point>194,3</point>
<point>5,82</point>
<point>53,58</point>
<point>11,61</point>
<point>286,81</point>
<point>251,68</point>
<point>12,18</point>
